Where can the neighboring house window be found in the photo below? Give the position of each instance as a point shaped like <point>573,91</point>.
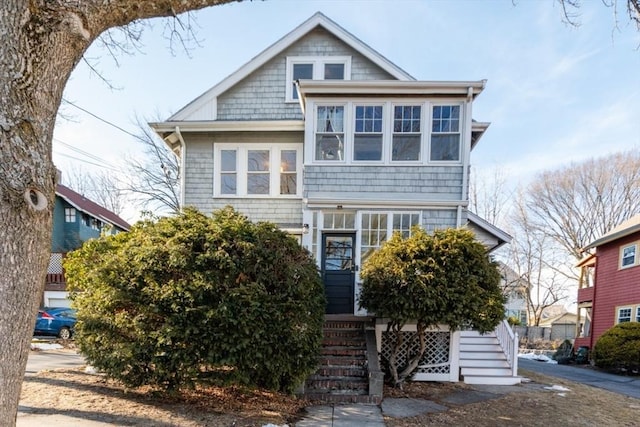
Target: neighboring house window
<point>367,139</point>
<point>315,68</point>
<point>628,256</point>
<point>69,215</point>
<point>248,170</point>
<point>638,314</point>
<point>228,172</point>
<point>330,133</point>
<point>445,133</point>
<point>624,315</point>
<point>86,220</point>
<point>406,133</point>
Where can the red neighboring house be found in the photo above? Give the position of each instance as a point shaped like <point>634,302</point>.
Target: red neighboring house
<point>609,291</point>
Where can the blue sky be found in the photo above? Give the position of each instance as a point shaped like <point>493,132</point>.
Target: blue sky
<point>555,93</point>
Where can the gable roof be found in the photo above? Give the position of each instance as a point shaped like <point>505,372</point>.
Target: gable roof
<point>83,204</point>
<point>501,237</point>
<point>630,226</point>
<point>318,19</point>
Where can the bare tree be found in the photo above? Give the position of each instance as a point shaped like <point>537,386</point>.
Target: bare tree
<point>490,194</point>
<point>576,204</point>
<point>538,261</point>
<point>154,179</point>
<point>102,187</point>
<point>571,10</point>
<point>41,42</point>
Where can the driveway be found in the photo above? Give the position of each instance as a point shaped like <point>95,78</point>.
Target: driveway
<point>52,359</point>
<point>628,386</point>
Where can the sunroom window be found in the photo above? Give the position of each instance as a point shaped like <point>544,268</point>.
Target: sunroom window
<point>367,139</point>
<point>228,174</point>
<point>258,175</point>
<point>445,133</point>
<point>330,133</point>
<point>406,133</point>
<point>288,172</point>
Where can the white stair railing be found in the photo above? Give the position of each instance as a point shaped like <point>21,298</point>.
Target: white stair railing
<point>509,342</point>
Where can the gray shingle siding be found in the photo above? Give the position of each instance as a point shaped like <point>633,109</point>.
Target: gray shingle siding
<point>439,219</point>
<point>384,182</point>
<point>261,95</point>
<point>199,172</point>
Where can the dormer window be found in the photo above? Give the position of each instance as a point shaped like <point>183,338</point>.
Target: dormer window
<point>315,68</point>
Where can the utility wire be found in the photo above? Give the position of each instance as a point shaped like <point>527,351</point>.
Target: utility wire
<point>84,153</point>
<point>101,119</point>
<point>87,161</point>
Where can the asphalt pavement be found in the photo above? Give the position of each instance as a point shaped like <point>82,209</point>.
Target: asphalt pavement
<point>627,386</point>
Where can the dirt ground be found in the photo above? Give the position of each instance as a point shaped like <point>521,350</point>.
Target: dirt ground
<point>89,396</point>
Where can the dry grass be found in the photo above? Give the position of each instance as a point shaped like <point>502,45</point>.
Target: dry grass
<point>93,397</point>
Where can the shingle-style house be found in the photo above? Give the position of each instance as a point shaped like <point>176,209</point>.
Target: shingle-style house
<point>76,219</point>
<point>328,139</point>
<point>609,291</point>
<point>515,289</point>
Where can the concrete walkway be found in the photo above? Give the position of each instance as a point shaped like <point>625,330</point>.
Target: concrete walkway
<point>354,415</point>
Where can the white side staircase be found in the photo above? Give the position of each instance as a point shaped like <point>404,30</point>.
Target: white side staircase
<point>484,360</point>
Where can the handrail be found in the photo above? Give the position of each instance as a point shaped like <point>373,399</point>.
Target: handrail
<point>509,342</point>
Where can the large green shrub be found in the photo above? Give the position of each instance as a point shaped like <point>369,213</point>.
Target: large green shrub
<point>181,300</point>
<point>443,278</point>
<point>618,349</point>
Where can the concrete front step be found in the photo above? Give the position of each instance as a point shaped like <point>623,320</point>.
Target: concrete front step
<point>343,351</point>
<point>343,398</point>
<point>491,380</point>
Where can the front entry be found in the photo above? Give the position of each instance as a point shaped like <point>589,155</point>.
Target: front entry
<point>338,271</point>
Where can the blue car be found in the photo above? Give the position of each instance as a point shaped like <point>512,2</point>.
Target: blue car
<point>58,322</point>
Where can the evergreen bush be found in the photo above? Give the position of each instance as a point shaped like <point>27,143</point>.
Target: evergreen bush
<point>618,349</point>
<point>187,299</point>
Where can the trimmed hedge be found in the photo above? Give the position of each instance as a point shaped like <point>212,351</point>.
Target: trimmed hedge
<point>191,298</point>
<point>618,349</point>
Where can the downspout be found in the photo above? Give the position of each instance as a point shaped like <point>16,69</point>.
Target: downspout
<point>467,154</point>
<point>183,156</point>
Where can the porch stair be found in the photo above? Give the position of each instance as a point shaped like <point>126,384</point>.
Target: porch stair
<point>346,373</point>
<point>482,360</point>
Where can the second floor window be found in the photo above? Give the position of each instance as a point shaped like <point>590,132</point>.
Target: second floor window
<point>330,133</point>
<point>367,139</point>
<point>249,170</point>
<point>628,256</point>
<point>407,133</point>
<point>445,133</point>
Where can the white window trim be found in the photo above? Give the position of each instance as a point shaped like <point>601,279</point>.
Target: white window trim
<point>619,309</point>
<point>388,105</point>
<point>461,131</point>
<point>635,256</point>
<point>70,213</point>
<point>352,136</point>
<point>318,70</point>
<point>275,159</point>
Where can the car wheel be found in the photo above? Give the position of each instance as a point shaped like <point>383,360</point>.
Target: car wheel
<point>65,333</point>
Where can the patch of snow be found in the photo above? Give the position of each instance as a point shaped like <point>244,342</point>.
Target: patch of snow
<point>45,346</point>
<point>557,388</point>
<point>91,370</point>
<point>537,357</point>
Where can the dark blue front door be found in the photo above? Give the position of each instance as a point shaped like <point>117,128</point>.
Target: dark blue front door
<point>338,271</point>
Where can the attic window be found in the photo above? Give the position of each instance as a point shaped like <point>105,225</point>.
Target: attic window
<point>315,68</point>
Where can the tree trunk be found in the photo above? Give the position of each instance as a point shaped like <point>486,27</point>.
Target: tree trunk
<point>41,41</point>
